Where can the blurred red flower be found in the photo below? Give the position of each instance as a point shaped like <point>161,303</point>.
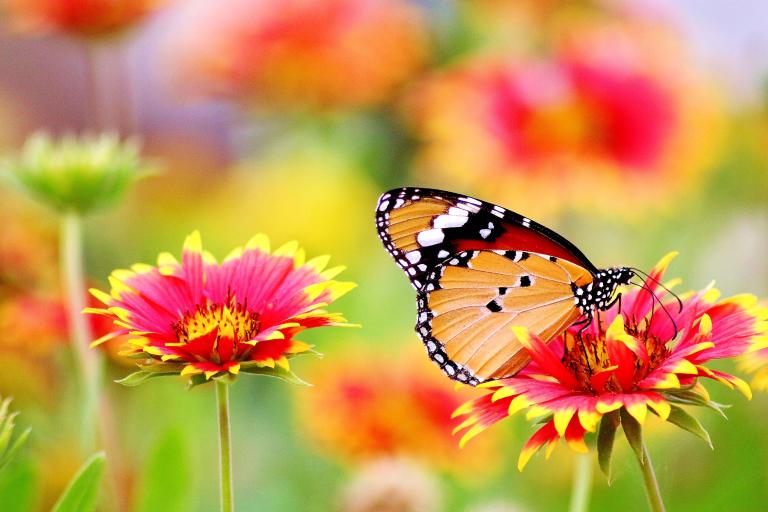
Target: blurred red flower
<point>368,404</point>
<point>90,18</point>
<point>329,54</point>
<point>605,120</point>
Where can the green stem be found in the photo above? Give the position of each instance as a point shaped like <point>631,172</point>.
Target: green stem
<point>651,484</point>
<point>225,446</point>
<point>88,360</point>
<point>582,483</point>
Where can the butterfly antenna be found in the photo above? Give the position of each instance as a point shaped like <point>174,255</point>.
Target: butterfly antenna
<point>657,283</point>
<point>655,298</point>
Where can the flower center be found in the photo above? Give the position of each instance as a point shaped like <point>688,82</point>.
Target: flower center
<point>617,369</point>
<point>232,320</point>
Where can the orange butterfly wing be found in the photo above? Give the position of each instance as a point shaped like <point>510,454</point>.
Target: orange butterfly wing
<point>470,302</point>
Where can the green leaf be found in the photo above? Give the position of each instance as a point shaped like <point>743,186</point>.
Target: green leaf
<point>606,436</point>
<point>141,376</point>
<point>166,477</point>
<point>82,491</point>
<point>18,487</point>
<point>633,432</point>
<point>682,419</point>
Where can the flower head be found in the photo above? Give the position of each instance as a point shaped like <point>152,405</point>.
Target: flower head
<point>77,173</point>
<point>329,54</point>
<point>368,405</point>
<point>90,18</point>
<point>647,355</point>
<point>576,127</point>
<point>209,320</point>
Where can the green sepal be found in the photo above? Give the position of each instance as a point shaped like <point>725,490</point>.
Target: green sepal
<point>9,448</point>
<point>695,399</point>
<point>162,367</point>
<point>633,432</point>
<point>136,378</point>
<point>281,373</point>
<point>83,490</point>
<point>606,436</point>
<point>678,416</point>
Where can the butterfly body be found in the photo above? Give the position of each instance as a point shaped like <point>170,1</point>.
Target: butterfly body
<point>479,269</point>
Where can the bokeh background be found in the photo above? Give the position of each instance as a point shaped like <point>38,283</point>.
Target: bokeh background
<point>633,127</point>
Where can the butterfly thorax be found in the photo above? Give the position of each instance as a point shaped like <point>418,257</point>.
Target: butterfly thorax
<point>599,293</point>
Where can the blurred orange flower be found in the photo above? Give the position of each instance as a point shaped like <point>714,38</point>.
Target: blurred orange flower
<point>613,120</point>
<point>368,405</point>
<point>334,53</point>
<point>90,18</point>
<point>32,328</point>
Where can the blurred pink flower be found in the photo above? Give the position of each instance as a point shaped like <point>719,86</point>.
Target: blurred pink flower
<point>605,122</point>
<point>90,18</point>
<point>334,53</point>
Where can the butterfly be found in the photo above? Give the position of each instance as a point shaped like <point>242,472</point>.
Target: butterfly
<point>479,269</point>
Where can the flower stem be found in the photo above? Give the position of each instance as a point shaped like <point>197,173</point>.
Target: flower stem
<point>80,332</point>
<point>582,483</point>
<point>651,484</point>
<point>225,446</point>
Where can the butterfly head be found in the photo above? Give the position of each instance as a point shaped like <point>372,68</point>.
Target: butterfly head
<point>599,293</point>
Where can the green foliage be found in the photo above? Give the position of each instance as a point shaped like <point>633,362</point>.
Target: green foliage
<point>83,490</point>
<point>9,446</point>
<point>166,478</point>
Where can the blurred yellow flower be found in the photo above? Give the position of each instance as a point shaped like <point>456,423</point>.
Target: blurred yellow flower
<point>90,18</point>
<point>329,54</point>
<point>613,120</point>
<point>370,404</point>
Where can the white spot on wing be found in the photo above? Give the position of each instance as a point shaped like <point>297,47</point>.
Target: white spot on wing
<point>383,205</point>
<point>449,221</point>
<point>430,237</point>
<point>413,256</point>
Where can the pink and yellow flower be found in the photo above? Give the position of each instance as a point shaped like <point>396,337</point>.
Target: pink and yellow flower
<point>90,18</point>
<point>369,405</point>
<point>580,126</point>
<point>329,54</point>
<point>209,320</point>
<point>640,358</point>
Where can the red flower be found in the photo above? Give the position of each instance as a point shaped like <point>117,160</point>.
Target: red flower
<point>80,17</point>
<point>210,320</point>
<point>369,405</point>
<point>577,127</point>
<point>332,53</point>
<point>648,357</point>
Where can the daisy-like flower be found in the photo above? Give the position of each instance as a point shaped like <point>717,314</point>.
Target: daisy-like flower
<point>211,320</point>
<point>559,125</point>
<point>329,54</point>
<point>89,18</point>
<point>355,419</point>
<point>638,358</point>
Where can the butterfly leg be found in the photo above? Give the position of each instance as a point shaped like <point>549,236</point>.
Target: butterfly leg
<point>584,324</point>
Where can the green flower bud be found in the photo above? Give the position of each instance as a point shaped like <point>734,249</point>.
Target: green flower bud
<point>77,174</point>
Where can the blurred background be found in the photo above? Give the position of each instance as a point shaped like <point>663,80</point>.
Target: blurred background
<point>633,127</point>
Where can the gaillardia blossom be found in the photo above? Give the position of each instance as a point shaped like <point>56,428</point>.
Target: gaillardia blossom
<point>578,125</point>
<point>329,54</point>
<point>352,417</point>
<point>639,356</point>
<point>210,320</point>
